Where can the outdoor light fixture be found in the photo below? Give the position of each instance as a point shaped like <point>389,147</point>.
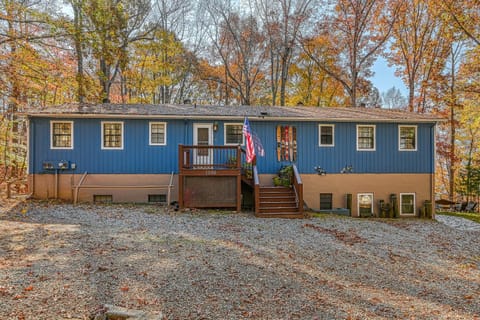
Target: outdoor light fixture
<point>215,126</point>
<point>347,169</point>
<point>320,171</point>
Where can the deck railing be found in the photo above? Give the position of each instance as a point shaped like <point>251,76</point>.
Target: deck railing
<point>256,189</point>
<point>298,187</point>
<point>210,157</point>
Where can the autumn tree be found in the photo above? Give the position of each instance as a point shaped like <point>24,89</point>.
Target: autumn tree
<point>35,71</point>
<point>353,33</point>
<point>419,47</point>
<point>465,15</point>
<point>156,67</point>
<point>312,86</point>
<point>114,25</point>
<point>282,22</point>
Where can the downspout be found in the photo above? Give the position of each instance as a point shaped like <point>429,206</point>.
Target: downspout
<point>56,183</point>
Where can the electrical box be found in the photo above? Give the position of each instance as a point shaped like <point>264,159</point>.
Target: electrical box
<point>56,165</point>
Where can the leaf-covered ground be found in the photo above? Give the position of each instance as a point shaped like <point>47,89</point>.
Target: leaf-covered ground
<point>61,261</point>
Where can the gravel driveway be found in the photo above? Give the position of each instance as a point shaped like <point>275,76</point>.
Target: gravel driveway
<point>61,261</point>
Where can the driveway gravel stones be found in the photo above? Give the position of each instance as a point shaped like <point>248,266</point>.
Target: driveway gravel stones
<point>59,261</point>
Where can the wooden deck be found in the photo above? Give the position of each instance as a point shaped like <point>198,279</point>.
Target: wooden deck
<point>210,176</point>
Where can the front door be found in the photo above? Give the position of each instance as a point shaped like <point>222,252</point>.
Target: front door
<point>203,136</point>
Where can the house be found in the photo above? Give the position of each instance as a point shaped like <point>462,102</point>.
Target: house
<point>355,158</point>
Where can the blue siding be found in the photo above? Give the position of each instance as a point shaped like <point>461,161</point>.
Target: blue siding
<point>385,159</point>
<point>138,156</point>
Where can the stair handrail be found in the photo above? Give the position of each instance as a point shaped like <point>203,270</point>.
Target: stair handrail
<point>256,182</point>
<point>298,188</point>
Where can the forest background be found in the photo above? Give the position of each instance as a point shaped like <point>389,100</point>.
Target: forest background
<point>316,53</point>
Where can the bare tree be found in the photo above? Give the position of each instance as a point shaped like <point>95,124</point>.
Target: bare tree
<point>239,47</point>
<point>352,33</point>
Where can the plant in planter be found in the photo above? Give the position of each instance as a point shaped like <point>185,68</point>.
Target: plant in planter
<point>247,170</point>
<point>231,162</point>
<point>284,177</point>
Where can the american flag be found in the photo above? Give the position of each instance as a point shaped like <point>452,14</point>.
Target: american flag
<point>249,141</point>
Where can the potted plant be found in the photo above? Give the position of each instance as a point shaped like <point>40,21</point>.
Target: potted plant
<point>284,177</point>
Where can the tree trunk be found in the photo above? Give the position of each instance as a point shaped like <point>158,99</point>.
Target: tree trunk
<point>77,20</point>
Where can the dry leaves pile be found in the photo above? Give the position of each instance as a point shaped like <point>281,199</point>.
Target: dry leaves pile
<point>62,261</point>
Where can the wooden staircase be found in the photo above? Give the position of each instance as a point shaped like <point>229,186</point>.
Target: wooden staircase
<point>278,202</point>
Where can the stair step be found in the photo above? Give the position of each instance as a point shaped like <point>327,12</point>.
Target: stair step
<point>275,189</point>
<point>278,209</point>
<point>278,205</point>
<point>283,215</point>
<point>272,198</point>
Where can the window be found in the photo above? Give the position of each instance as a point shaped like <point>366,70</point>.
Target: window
<point>234,134</point>
<point>407,138</point>
<point>158,133</point>
<point>326,135</point>
<point>365,204</point>
<point>407,203</point>
<point>326,201</point>
<point>365,138</point>
<point>112,135</point>
<point>157,198</point>
<point>102,198</point>
<point>61,133</point>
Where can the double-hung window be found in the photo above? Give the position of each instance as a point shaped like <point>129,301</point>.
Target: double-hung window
<point>158,134</point>
<point>233,134</point>
<point>326,135</point>
<point>407,136</point>
<point>61,134</point>
<point>365,138</point>
<point>112,135</point>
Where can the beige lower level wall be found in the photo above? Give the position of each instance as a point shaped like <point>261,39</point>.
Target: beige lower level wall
<point>381,185</point>
<point>49,186</point>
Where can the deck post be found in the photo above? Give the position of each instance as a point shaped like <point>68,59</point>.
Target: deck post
<point>180,175</point>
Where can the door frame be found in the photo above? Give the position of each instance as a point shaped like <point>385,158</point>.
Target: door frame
<point>200,159</point>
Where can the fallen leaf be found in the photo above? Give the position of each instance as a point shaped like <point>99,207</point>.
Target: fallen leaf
<point>124,288</point>
<point>29,288</point>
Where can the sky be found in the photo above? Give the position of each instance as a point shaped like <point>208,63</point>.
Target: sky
<point>384,77</point>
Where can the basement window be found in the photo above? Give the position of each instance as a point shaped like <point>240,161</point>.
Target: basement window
<point>326,201</point>
<point>102,198</point>
<point>157,198</point>
<point>407,203</point>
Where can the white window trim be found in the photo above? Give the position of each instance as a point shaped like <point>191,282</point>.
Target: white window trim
<point>358,201</point>
<point>122,140</point>
<point>51,135</point>
<point>414,204</point>
<point>225,134</point>
<point>374,136</point>
<point>150,134</point>
<point>320,135</point>
<point>399,137</point>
